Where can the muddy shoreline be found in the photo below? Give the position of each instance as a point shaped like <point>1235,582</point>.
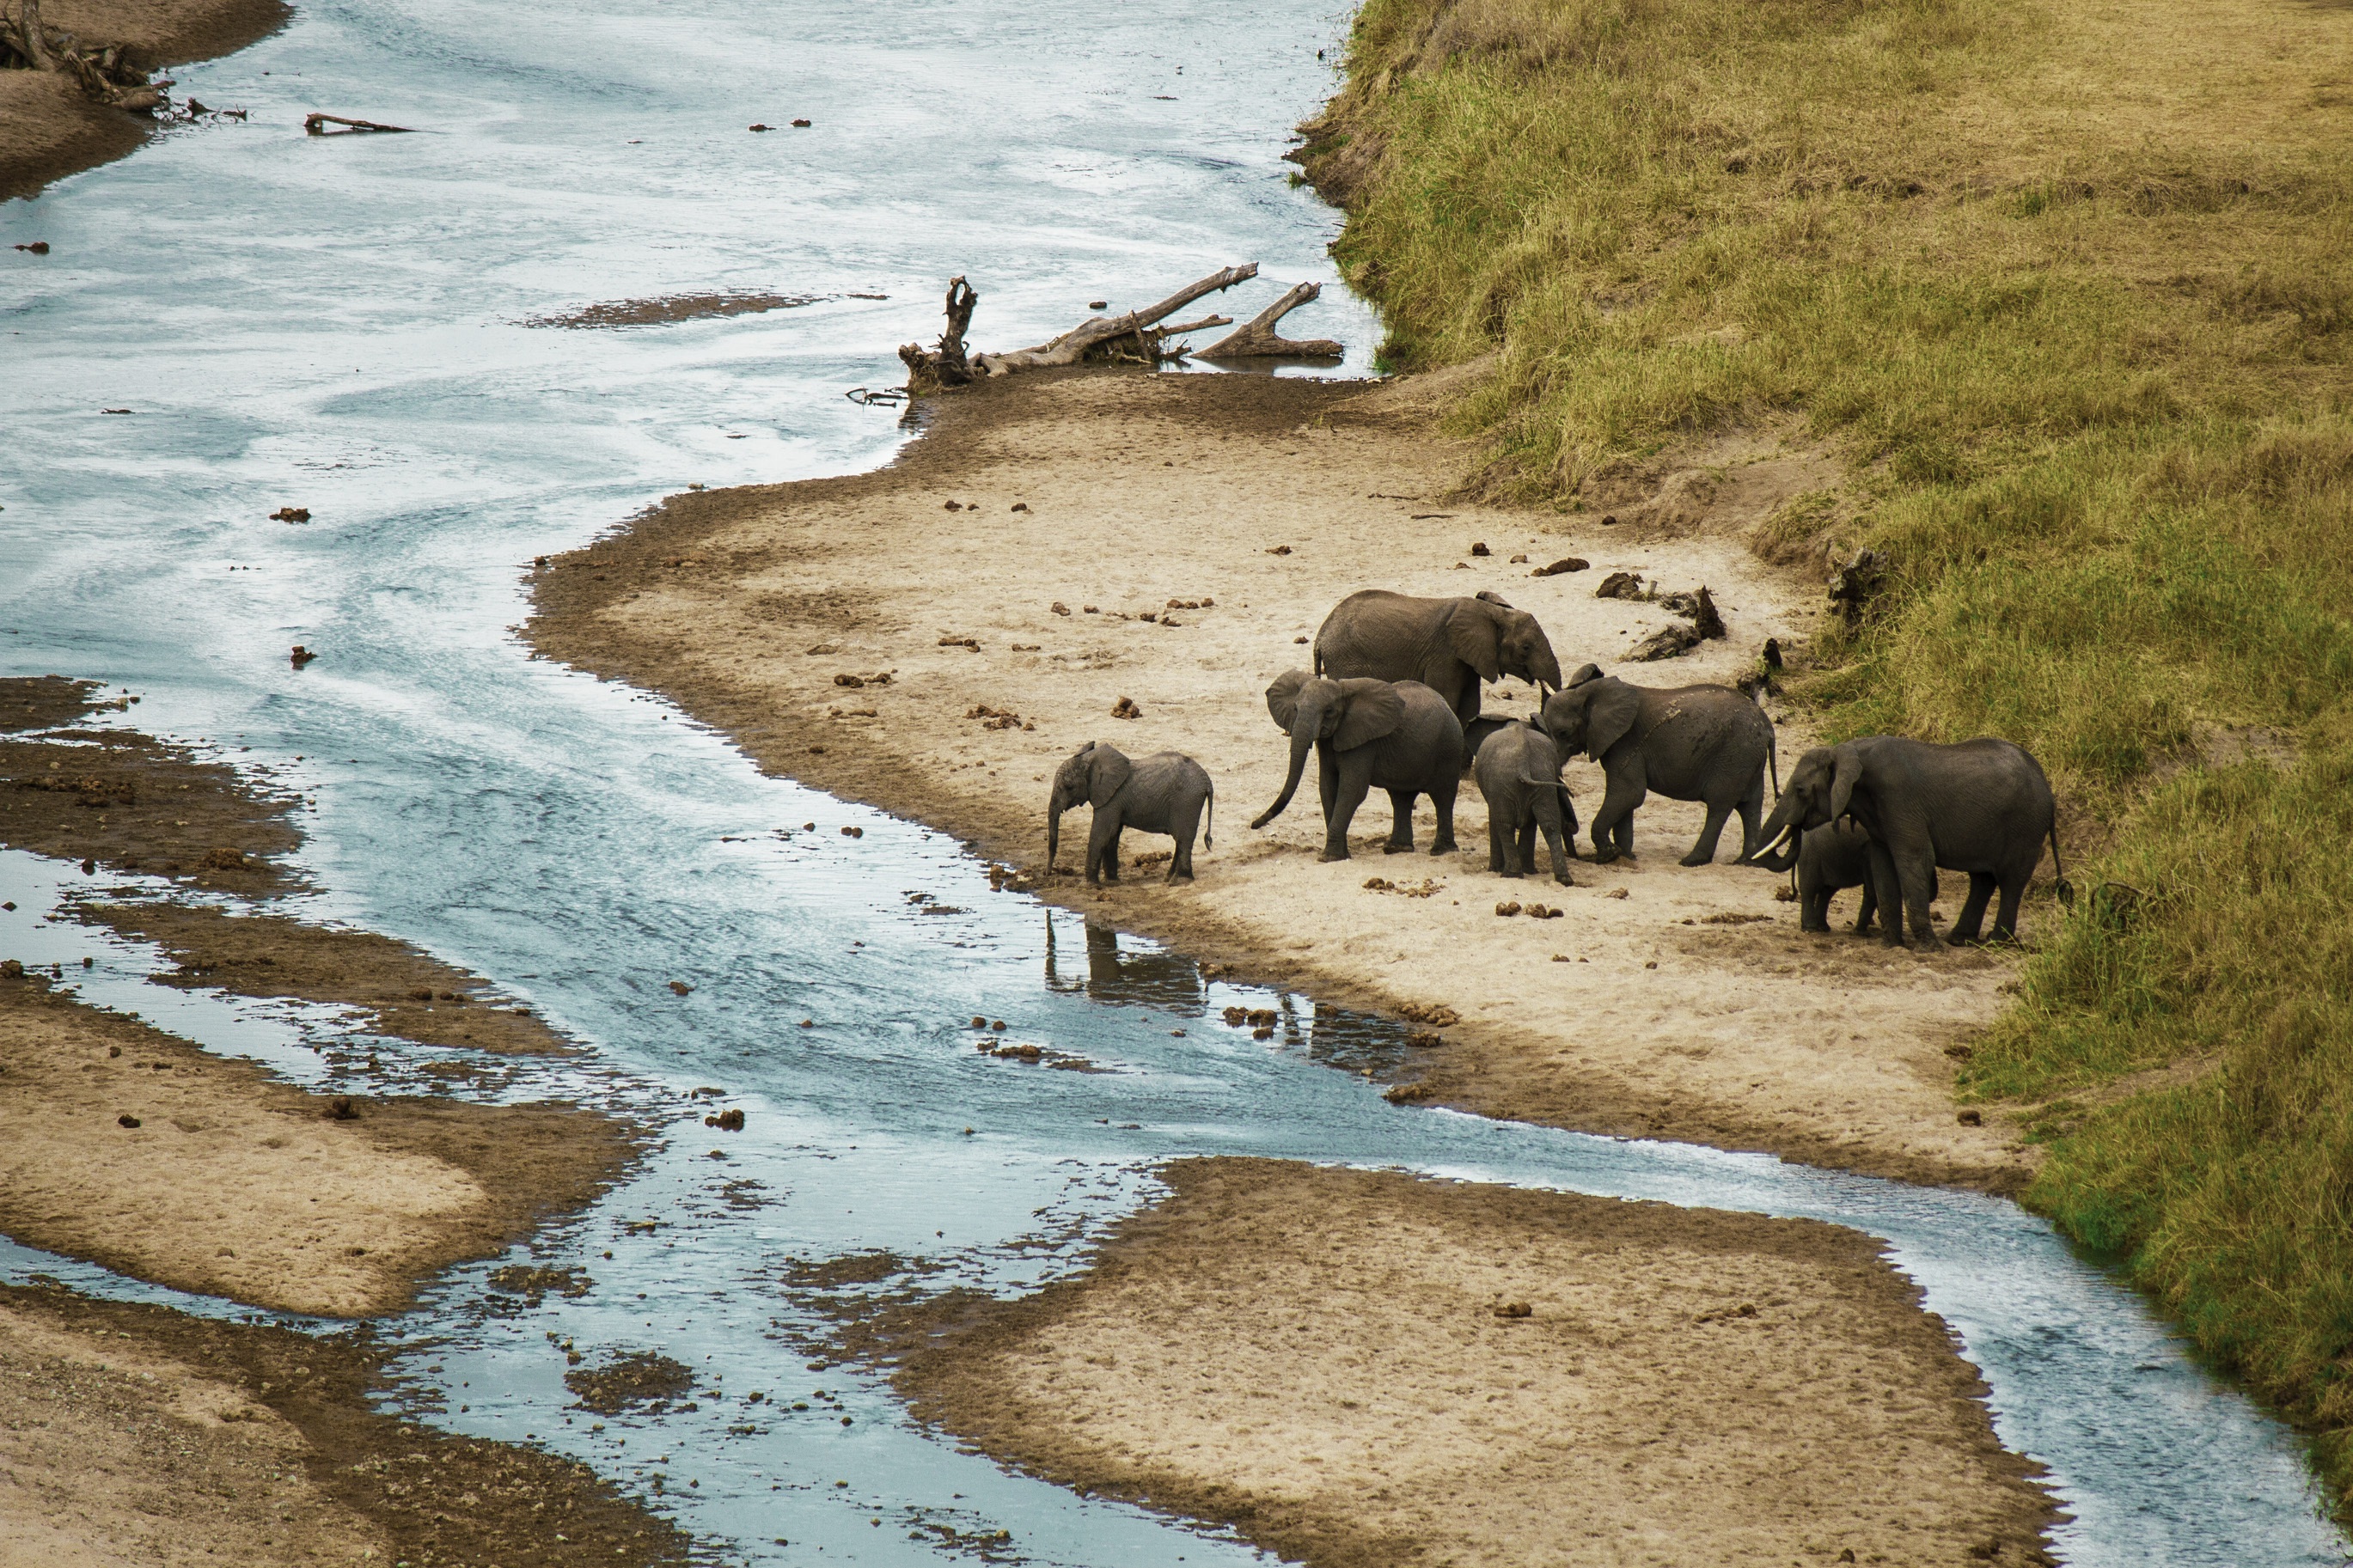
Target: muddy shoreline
<point>49,127</point>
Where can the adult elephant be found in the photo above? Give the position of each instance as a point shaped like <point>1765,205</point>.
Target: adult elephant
<point>1981,807</point>
<point>1368,734</point>
<point>1448,645</point>
<point>1687,743</point>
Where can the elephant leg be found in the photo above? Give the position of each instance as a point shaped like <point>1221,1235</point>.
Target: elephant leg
<point>1814,907</point>
<point>1613,825</point>
<point>1103,846</point>
<point>1183,823</point>
<point>1441,801</point>
<point>1916,876</point>
<point>1703,850</point>
<point>1752,809</point>
<point>1400,839</point>
<point>1888,892</point>
<point>1866,911</point>
<point>1328,782</point>
<point>1499,838</point>
<point>1351,785</point>
<point>1555,845</point>
<point>2005,919</point>
<point>1972,915</point>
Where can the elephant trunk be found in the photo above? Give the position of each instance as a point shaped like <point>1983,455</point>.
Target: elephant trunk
<point>1054,809</point>
<point>1781,825</point>
<point>1301,740</point>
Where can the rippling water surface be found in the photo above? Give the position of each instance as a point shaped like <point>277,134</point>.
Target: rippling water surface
<point>337,324</point>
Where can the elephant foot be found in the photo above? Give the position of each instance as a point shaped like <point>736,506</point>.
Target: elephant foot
<point>1564,881</point>
<point>1603,856</point>
<point>1177,880</point>
<point>1328,855</point>
<point>1823,930</point>
<point>1447,847</point>
<point>1696,858</point>
<point>1512,875</point>
<point>1394,847</point>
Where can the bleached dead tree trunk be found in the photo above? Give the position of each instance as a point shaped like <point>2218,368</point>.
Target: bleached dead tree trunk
<point>1104,332</point>
<point>1257,337</point>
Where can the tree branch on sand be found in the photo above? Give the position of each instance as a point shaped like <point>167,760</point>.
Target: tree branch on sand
<point>1257,339</point>
<point>105,73</point>
<point>1137,336</point>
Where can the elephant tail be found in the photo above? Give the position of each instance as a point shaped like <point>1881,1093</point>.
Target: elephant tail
<point>1209,822</point>
<point>2065,890</point>
<point>1773,764</point>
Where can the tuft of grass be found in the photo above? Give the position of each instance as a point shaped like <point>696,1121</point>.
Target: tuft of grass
<point>2071,287</point>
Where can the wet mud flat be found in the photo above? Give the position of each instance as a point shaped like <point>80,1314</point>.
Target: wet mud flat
<point>136,1433</point>
<point>1130,559</point>
<point>140,1433</point>
<point>1365,1367</point>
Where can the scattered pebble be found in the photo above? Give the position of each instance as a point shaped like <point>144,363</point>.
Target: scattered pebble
<point>1511,907</point>
<point>1970,1119</point>
<point>1279,550</point>
<point>1481,550</point>
<point>1566,563</point>
<point>126,1120</point>
<point>290,514</point>
<point>1615,893</point>
<point>39,248</point>
<point>854,833</point>
<point>803,125</point>
<point>1021,506</point>
<point>1513,1310</point>
<point>681,987</point>
<point>1125,708</point>
<point>1061,608</point>
<point>299,656</point>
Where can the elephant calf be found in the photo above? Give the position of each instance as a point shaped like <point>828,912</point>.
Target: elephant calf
<point>1981,807</point>
<point>1831,859</point>
<point>1687,743</point>
<point>1167,791</point>
<point>1518,769</point>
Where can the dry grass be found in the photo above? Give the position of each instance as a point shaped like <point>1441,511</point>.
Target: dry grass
<point>2071,284</point>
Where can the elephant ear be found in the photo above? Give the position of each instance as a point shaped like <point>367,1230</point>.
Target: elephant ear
<point>1472,638</point>
<point>1609,715</point>
<point>1583,673</point>
<point>1368,710</point>
<point>1282,697</point>
<point>1846,771</point>
<point>1107,773</point>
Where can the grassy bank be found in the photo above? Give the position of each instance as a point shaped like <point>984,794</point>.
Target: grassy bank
<point>2070,285</point>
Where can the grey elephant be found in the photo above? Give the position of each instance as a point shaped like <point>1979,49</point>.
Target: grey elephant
<point>1687,743</point>
<point>1394,735</point>
<point>1828,860</point>
<point>1448,645</point>
<point>1981,807</point>
<point>1518,770</point>
<point>1167,791</point>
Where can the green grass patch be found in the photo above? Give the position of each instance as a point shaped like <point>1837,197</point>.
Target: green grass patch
<point>2072,292</point>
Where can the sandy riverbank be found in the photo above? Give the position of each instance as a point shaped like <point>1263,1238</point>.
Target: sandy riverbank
<point>138,1435</point>
<point>1315,1356</point>
<point>234,1182</point>
<point>49,127</point>
<point>1683,1003</point>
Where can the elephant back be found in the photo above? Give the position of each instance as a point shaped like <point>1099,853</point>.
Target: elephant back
<point>1377,634</point>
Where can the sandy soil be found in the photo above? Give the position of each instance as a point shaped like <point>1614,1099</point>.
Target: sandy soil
<point>50,130</point>
<point>139,1436</point>
<point>234,1183</point>
<point>1665,1001</point>
<point>1316,1357</point>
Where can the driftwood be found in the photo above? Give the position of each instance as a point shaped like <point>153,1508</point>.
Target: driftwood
<point>945,364</point>
<point>316,124</point>
<point>1100,337</point>
<point>104,73</point>
<point>1258,339</point>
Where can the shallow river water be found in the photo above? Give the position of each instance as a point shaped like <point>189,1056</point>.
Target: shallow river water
<point>336,324</point>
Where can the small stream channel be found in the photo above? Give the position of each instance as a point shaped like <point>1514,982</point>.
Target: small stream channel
<point>335,325</point>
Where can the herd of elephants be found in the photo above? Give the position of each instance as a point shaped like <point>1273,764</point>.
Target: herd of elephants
<point>1393,704</point>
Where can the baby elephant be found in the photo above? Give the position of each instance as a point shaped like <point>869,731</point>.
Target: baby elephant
<point>1164,793</point>
<point>1831,859</point>
<point>1518,769</point>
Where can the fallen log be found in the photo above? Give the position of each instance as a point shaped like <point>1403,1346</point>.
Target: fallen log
<point>1098,336</point>
<point>316,124</point>
<point>1257,338</point>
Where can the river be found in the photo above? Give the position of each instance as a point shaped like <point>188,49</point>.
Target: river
<point>339,324</point>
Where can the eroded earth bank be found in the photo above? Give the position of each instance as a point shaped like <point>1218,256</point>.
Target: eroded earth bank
<point>1131,558</point>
